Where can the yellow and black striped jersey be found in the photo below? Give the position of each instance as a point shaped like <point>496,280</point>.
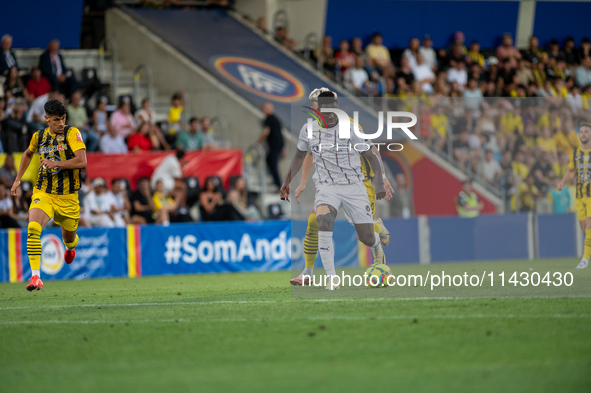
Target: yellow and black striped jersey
<point>580,162</point>
<point>365,165</point>
<point>57,147</point>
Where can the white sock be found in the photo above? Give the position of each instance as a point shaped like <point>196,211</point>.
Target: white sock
<point>166,223</point>
<point>307,271</point>
<point>326,249</point>
<point>377,240</point>
<point>35,273</point>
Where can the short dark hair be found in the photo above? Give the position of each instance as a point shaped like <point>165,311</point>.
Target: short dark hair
<point>584,124</point>
<point>327,97</point>
<point>54,108</point>
<point>191,120</point>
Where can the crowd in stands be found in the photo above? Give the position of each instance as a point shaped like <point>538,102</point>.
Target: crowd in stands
<point>511,117</point>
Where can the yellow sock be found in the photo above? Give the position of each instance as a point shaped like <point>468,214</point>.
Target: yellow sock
<point>587,243</point>
<point>72,245</point>
<point>34,245</point>
<point>377,228</point>
<point>311,241</point>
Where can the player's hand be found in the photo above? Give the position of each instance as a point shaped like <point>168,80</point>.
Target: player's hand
<point>299,191</point>
<point>14,187</point>
<point>389,189</point>
<point>284,192</point>
<point>560,185</point>
<point>380,191</point>
<point>48,164</point>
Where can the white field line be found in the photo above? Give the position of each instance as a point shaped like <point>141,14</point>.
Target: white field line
<point>316,318</point>
<point>294,300</point>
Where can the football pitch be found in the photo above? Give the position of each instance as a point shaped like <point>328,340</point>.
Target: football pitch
<point>247,332</point>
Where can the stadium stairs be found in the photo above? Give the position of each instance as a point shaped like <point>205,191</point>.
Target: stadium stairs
<point>184,48</point>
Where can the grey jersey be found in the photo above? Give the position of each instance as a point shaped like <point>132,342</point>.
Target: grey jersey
<point>336,160</point>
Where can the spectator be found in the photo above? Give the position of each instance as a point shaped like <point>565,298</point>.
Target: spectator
<point>344,58</point>
<point>122,119</point>
<point>524,74</point>
<point>113,143</point>
<point>585,49</point>
<point>508,51</point>
<point>6,213</point>
<point>560,199</point>
<point>140,140</point>
<point>53,68</point>
<point>207,134</point>
<point>169,171</point>
<point>555,53</point>
<point>456,55</point>
<point>458,74</point>
<point>583,72</point>
<point>192,139</point>
<point>534,54</point>
<point>401,204</point>
<point>121,203</point>
<point>212,206</point>
<point>458,42</point>
<point>467,203</point>
<point>357,47</point>
<point>412,51</point>
<point>567,139</point>
<point>78,118</point>
<point>15,131</point>
<point>546,142</point>
<point>509,76</point>
<point>238,197</point>
<point>99,116</point>
<point>148,116</point>
<point>282,37</point>
<point>7,57</point>
<point>519,168</point>
<point>163,205</point>
<point>472,95</point>
<point>100,206</point>
<point>569,51</point>
<point>461,148</point>
<point>20,208</point>
<point>272,134</point>
<point>528,193</point>
<point>14,86</point>
<point>327,55</point>
<point>142,204</point>
<point>474,54</point>
<point>378,55</point>
<point>38,85</point>
<point>36,114</point>
<point>405,72</point>
<point>8,171</point>
<point>491,169</point>
<point>262,25</point>
<point>429,55</point>
<point>356,78</point>
<point>423,74</point>
<point>492,73</point>
<point>177,105</point>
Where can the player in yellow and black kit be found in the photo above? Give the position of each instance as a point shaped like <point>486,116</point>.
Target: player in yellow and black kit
<point>580,165</point>
<point>311,238</point>
<point>63,155</point>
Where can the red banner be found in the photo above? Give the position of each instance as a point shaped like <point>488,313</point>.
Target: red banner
<point>132,166</point>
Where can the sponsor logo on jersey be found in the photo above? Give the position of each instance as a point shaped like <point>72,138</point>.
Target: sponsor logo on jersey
<point>260,78</point>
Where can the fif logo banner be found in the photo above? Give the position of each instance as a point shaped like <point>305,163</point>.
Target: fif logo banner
<point>262,79</point>
<point>101,252</point>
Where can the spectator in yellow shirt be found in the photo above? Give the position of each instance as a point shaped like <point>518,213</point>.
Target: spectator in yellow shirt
<point>550,120</point>
<point>566,140</point>
<point>512,122</point>
<point>519,167</point>
<point>163,205</point>
<point>528,193</point>
<point>174,114</point>
<point>439,123</point>
<point>561,166</point>
<point>379,56</point>
<point>546,142</point>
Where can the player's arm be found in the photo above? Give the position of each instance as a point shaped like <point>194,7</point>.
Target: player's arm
<point>305,173</point>
<point>25,161</point>
<point>387,184</point>
<point>568,176</point>
<point>294,168</point>
<point>374,161</point>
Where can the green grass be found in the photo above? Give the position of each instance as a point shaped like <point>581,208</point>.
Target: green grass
<point>250,333</point>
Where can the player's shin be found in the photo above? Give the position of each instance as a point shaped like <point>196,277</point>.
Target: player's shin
<point>34,247</point>
<point>311,244</point>
<point>72,245</point>
<point>326,252</point>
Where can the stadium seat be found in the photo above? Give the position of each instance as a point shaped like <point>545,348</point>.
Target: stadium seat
<point>193,190</point>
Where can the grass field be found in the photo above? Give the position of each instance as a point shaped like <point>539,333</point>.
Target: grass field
<point>248,333</point>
